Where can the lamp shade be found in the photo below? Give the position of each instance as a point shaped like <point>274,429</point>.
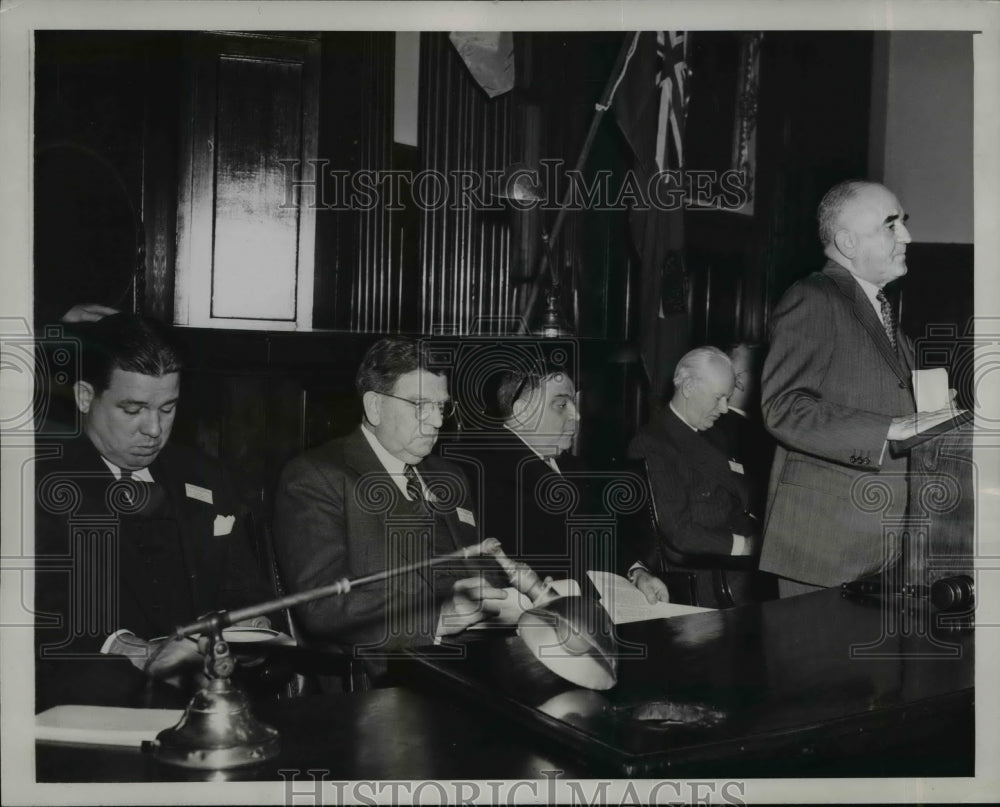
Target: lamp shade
<point>574,638</point>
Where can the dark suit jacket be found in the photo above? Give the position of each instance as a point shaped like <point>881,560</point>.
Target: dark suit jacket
<point>744,438</point>
<point>700,501</point>
<point>532,510</point>
<point>104,565</point>
<point>831,386</point>
<point>338,515</point>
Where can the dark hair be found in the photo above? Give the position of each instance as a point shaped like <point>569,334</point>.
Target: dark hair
<point>386,361</point>
<point>513,384</point>
<point>126,342</point>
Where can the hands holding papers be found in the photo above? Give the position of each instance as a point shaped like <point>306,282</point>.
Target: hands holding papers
<point>624,602</point>
<point>650,585</point>
<point>935,405</point>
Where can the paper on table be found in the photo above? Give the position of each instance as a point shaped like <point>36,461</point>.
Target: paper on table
<point>103,725</point>
<point>930,388</point>
<point>625,603</point>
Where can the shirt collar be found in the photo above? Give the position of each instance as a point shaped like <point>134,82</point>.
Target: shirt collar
<point>681,417</point>
<point>394,465</point>
<point>871,292</point>
<point>543,457</point>
<point>142,475</point>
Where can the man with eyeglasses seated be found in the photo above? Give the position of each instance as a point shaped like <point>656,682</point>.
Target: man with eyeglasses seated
<point>376,500</point>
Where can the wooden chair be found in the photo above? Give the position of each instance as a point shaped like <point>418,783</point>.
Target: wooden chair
<point>682,570</point>
<point>314,668</point>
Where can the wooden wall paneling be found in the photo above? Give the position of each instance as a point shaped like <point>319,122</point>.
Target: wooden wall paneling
<point>377,300</point>
<point>245,245</point>
<point>465,255</point>
<point>88,173</point>
<point>160,178</point>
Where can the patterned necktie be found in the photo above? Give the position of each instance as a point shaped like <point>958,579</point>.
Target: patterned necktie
<point>413,487</point>
<point>888,318</point>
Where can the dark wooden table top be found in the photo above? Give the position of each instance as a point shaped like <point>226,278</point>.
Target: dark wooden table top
<point>814,685</point>
<point>822,684</point>
<point>381,734</point>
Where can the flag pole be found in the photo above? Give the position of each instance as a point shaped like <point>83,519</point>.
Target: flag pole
<point>602,106</point>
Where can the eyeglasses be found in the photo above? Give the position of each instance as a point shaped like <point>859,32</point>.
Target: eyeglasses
<point>424,408</point>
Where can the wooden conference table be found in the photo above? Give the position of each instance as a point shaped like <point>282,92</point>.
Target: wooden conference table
<point>825,684</point>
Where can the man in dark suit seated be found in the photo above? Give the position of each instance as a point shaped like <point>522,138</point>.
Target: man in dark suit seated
<point>521,463</point>
<point>701,494</point>
<point>134,535</point>
<point>740,432</point>
<point>375,500</point>
<point>547,506</point>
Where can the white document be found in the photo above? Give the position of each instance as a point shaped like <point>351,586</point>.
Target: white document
<point>625,603</point>
<point>930,389</point>
<point>103,725</point>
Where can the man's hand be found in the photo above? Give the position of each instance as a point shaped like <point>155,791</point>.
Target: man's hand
<point>650,585</point>
<point>88,312</point>
<point>472,600</point>
<point>907,426</point>
<point>174,661</point>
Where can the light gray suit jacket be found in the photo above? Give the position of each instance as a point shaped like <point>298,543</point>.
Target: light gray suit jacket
<point>831,385</point>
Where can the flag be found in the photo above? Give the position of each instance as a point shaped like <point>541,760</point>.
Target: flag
<point>489,57</point>
<point>650,104</point>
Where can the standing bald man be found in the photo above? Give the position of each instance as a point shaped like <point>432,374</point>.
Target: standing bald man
<point>836,388</point>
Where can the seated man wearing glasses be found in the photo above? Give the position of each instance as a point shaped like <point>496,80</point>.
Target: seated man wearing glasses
<point>375,500</point>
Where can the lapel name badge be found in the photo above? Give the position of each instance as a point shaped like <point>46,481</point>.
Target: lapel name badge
<point>735,466</point>
<point>198,492</point>
<point>465,516</point>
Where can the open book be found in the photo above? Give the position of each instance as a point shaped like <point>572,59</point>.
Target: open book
<point>625,603</point>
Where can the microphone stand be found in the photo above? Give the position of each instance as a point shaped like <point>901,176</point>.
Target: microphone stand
<point>217,729</point>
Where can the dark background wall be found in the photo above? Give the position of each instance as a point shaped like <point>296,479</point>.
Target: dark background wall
<point>108,118</point>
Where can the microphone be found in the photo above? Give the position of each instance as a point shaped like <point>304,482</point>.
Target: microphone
<point>217,620</point>
<point>520,574</point>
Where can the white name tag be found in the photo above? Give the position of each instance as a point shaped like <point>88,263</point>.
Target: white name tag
<point>465,516</point>
<point>199,493</point>
<point>735,467</point>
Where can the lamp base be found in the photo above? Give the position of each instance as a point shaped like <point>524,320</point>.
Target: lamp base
<point>217,731</point>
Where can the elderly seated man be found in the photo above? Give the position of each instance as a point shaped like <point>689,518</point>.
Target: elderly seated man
<point>377,499</point>
<point>701,494</point>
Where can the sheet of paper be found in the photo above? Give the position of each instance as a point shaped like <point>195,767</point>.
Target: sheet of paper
<point>103,725</point>
<point>625,603</point>
<point>930,388</point>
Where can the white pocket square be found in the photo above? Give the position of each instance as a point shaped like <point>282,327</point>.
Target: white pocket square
<point>223,525</point>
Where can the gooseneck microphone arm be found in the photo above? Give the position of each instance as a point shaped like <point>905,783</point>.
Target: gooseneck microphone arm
<point>217,620</point>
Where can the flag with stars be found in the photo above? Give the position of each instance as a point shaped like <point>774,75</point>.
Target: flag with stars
<point>650,104</point>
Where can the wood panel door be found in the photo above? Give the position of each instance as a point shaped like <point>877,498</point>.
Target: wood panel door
<point>246,225</point>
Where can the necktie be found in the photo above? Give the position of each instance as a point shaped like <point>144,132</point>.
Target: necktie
<point>413,487</point>
<point>888,318</point>
<point>126,477</point>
